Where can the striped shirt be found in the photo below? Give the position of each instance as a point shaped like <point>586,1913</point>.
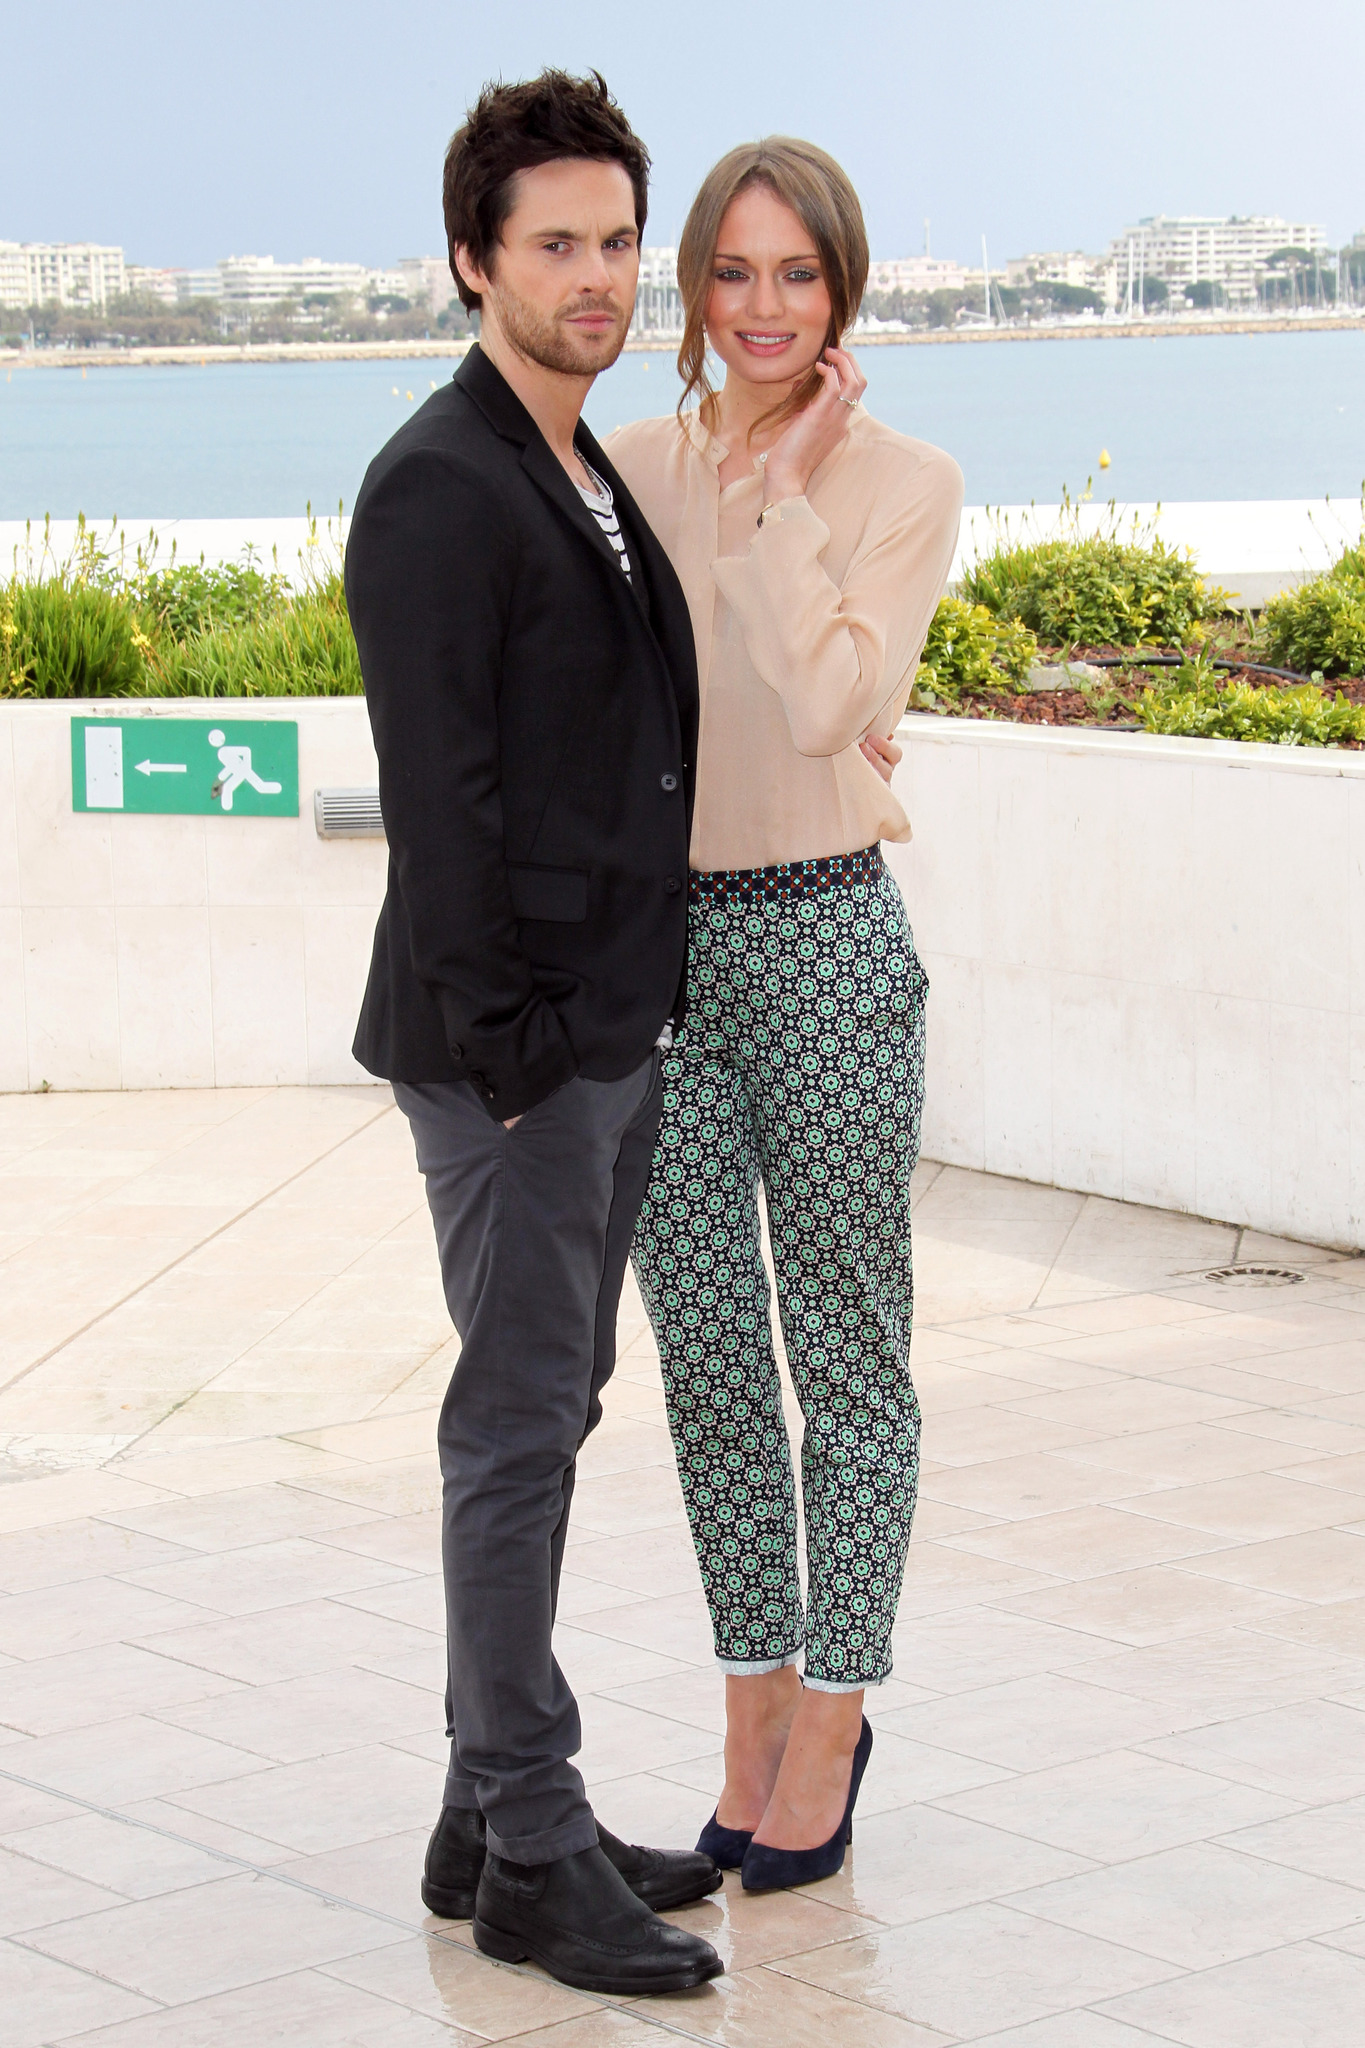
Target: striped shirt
<point>602,505</point>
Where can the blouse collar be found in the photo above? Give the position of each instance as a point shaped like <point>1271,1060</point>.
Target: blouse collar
<point>705,444</point>
<point>713,452</point>
<point>702,440</point>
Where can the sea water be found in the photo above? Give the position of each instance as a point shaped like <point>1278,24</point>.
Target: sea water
<point>1189,417</point>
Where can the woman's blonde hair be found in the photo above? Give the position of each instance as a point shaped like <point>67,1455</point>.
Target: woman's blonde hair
<point>821,195</point>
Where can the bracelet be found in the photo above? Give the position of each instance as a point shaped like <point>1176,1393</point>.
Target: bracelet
<point>770,514</point>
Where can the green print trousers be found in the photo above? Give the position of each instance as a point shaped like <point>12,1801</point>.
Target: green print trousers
<point>801,1063</point>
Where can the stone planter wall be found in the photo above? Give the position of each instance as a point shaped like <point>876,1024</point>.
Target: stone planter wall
<point>170,952</point>
<point>1147,955</point>
<point>1148,966</point>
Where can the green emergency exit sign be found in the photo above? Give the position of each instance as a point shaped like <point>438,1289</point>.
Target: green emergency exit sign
<point>233,767</point>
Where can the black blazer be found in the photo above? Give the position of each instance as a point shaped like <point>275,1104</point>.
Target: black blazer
<point>535,718</point>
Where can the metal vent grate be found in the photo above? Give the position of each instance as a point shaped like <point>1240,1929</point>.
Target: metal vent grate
<point>347,814</point>
<point>1255,1276</point>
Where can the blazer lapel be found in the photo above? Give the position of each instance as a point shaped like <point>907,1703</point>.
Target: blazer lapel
<point>657,585</point>
<point>653,587</point>
<point>549,473</point>
<point>505,412</point>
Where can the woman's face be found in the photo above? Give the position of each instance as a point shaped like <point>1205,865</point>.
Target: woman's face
<point>768,310</point>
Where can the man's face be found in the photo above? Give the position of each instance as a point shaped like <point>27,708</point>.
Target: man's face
<point>563,284</point>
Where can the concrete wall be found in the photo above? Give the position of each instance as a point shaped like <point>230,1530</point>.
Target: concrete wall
<point>164,952</point>
<point>1147,956</point>
<point>1148,966</point>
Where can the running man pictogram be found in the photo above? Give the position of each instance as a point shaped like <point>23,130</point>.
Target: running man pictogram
<point>237,769</point>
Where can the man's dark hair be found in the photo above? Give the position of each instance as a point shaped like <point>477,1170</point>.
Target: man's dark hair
<point>511,128</point>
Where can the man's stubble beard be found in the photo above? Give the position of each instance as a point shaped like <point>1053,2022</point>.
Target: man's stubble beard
<point>545,340</point>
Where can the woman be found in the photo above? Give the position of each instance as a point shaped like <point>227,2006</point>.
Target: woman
<point>813,544</point>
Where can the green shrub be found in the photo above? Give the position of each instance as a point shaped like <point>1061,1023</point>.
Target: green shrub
<point>1321,625</point>
<point>301,647</point>
<point>96,626</point>
<point>189,598</point>
<point>1095,591</point>
<point>59,639</point>
<point>969,649</point>
<point>1191,704</point>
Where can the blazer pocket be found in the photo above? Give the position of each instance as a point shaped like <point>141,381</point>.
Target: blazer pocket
<point>554,895</point>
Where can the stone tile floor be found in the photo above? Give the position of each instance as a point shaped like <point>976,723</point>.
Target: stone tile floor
<point>1118,1792</point>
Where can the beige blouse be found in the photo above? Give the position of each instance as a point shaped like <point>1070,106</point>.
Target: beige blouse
<point>809,629</point>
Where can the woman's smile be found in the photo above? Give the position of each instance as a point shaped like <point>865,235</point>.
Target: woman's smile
<point>763,344</point>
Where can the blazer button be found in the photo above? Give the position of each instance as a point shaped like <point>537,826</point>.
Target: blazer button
<point>457,1052</point>
<point>672,885</point>
<point>668,782</point>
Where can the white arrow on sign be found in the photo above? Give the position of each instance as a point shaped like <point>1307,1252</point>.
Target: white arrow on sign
<point>162,768</point>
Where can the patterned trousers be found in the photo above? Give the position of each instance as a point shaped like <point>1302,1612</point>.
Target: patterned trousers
<point>801,1063</point>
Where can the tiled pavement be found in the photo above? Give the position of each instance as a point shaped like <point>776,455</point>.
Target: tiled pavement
<point>1118,1792</point>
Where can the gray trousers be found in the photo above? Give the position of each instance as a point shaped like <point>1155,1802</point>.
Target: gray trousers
<point>533,1227</point>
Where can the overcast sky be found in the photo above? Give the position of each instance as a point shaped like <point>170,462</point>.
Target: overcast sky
<point>316,127</point>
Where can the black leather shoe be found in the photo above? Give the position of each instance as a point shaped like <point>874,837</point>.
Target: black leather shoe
<point>455,1853</point>
<point>663,1878</point>
<point>579,1919</point>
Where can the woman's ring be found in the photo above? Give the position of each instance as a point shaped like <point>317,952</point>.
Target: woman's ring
<point>853,403</point>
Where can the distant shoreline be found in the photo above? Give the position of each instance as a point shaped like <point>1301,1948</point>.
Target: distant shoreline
<point>397,351</point>
<point>1125,330</point>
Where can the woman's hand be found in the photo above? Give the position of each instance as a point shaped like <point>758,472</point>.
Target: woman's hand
<point>815,433</point>
<point>884,755</point>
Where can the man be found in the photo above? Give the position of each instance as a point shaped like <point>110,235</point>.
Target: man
<point>529,667</point>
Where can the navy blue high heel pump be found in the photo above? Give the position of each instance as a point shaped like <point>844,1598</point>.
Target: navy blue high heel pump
<point>772,1870</point>
<point>725,1846</point>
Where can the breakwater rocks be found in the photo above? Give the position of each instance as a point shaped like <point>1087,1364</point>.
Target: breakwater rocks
<point>452,351</point>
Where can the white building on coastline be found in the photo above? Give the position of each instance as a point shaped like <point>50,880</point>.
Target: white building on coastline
<point>75,274</point>
<point>426,281</point>
<point>261,281</point>
<point>1232,252</point>
<point>658,302</point>
<point>1098,274</point>
<point>143,282</point>
<point>919,274</point>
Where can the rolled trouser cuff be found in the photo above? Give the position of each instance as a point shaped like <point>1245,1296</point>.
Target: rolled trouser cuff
<point>843,1684</point>
<point>461,1792</point>
<point>570,1838</point>
<point>756,1667</point>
